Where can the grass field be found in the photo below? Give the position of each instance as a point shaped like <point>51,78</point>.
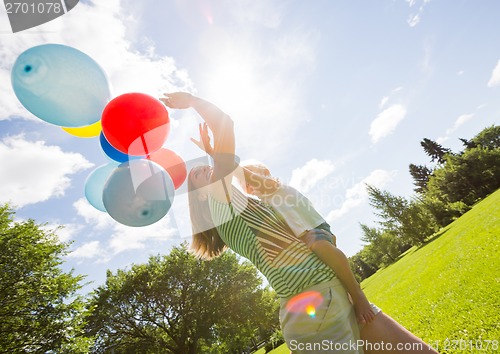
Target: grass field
<point>448,291</point>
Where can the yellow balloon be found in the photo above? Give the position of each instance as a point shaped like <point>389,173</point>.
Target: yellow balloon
<point>88,131</point>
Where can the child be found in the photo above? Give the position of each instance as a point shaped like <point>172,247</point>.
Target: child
<point>308,225</point>
<point>304,221</point>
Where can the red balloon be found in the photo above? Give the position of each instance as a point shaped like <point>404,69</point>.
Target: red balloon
<point>135,124</point>
<point>172,163</point>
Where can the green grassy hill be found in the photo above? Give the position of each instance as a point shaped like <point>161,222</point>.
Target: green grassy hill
<point>448,291</point>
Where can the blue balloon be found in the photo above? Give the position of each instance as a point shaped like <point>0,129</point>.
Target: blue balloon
<point>113,153</point>
<point>110,151</point>
<point>138,193</point>
<point>94,184</point>
<point>60,85</point>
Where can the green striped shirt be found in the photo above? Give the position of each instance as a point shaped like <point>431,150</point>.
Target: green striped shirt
<point>253,230</point>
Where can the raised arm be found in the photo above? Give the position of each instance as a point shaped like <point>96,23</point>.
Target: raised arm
<point>219,122</point>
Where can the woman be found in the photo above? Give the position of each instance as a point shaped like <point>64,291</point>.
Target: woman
<point>222,216</point>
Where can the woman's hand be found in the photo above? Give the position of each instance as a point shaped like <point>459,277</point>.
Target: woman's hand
<point>204,142</point>
<point>178,100</point>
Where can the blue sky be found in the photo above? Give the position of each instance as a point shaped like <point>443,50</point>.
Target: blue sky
<point>329,94</point>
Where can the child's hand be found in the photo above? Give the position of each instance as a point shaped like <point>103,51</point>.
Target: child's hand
<point>364,312</point>
<point>204,142</point>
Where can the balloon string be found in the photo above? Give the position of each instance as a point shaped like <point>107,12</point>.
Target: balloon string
<point>144,145</point>
<point>163,181</point>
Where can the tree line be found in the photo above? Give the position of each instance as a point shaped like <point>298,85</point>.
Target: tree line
<point>174,303</point>
<point>444,190</point>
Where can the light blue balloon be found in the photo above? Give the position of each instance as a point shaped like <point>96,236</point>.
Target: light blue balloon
<point>138,193</point>
<point>94,184</point>
<point>60,85</point>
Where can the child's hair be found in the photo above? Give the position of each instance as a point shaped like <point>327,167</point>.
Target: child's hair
<point>257,168</point>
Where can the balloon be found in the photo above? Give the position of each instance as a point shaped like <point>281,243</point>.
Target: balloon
<point>135,124</point>
<point>172,163</point>
<point>138,193</point>
<point>88,131</point>
<point>114,154</point>
<point>60,85</point>
<point>94,184</point>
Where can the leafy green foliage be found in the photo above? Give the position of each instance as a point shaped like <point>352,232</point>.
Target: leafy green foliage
<point>434,150</point>
<point>180,304</point>
<point>420,175</point>
<point>468,177</point>
<point>458,181</point>
<point>38,307</point>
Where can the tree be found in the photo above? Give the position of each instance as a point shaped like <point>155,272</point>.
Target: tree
<point>467,177</point>
<point>384,246</point>
<point>434,150</point>
<point>488,138</point>
<point>360,267</point>
<point>39,309</point>
<point>407,221</point>
<point>180,304</point>
<point>420,175</point>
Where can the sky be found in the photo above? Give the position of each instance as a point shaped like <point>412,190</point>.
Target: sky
<point>331,95</point>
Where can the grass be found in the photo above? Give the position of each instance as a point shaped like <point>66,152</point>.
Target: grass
<point>448,291</point>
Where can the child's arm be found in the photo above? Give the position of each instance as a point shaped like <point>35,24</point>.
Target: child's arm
<point>338,262</point>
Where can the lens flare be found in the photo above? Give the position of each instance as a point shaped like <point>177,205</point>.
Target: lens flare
<point>311,311</point>
<point>305,302</point>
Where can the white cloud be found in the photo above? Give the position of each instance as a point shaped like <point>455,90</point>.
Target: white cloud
<point>121,238</point>
<point>91,215</point>
<point>128,70</point>
<point>495,76</point>
<point>357,195</point>
<point>386,122</point>
<point>64,232</point>
<point>414,18</point>
<point>126,238</point>
<point>90,250</point>
<point>383,102</point>
<point>306,177</point>
<point>385,99</point>
<point>442,139</point>
<point>34,172</point>
<point>457,124</point>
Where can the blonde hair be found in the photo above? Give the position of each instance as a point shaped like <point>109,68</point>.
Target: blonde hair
<point>206,241</point>
<point>257,168</point>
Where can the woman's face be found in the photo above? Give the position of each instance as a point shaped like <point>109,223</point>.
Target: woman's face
<point>200,176</point>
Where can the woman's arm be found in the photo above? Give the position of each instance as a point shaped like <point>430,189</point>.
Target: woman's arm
<point>219,122</point>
